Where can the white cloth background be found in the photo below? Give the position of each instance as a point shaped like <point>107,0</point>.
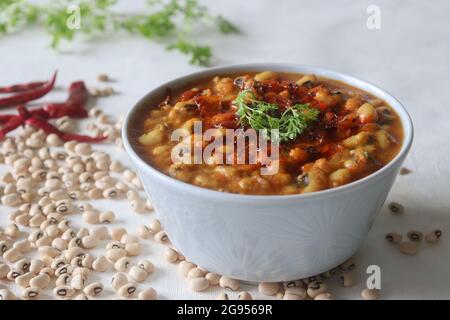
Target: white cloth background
<point>408,56</point>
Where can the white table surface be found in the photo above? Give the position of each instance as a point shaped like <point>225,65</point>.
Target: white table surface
<point>408,56</point>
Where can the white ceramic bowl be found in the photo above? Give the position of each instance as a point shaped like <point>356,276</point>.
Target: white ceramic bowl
<point>268,238</point>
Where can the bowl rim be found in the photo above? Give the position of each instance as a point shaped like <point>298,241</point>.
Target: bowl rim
<point>405,119</point>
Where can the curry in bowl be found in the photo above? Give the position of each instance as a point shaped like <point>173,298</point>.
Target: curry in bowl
<point>327,133</point>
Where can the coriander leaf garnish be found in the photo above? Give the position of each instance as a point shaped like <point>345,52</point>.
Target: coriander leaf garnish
<point>261,115</point>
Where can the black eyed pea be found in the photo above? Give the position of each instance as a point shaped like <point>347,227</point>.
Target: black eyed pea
<point>346,279</point>
<point>85,272</point>
<point>74,243</point>
<point>117,233</point>
<point>64,206</point>
<point>100,264</point>
<point>87,261</point>
<point>52,231</point>
<point>265,75</point>
<point>293,284</point>
<point>100,232</point>
<point>36,221</point>
<point>48,271</point>
<point>110,193</point>
<point>73,252</point>
<point>23,219</point>
<point>244,295</point>
<point>415,235</point>
<point>30,293</point>
<point>128,238</point>
<point>118,280</point>
<point>348,265</point>
<point>146,265</point>
<point>80,296</point>
<point>295,293</point>
<point>162,237</point>
<point>5,294</point>
<point>59,244</point>
<point>198,284</point>
<point>122,187</point>
<point>396,207</point>
<point>4,270</point>
<point>394,237</point>
<point>4,246</point>
<point>138,206</point>
<point>133,195</point>
<point>115,245</point>
<point>123,264</point>
<point>408,248</point>
<point>77,262</point>
<point>68,235</point>
<point>268,288</point>
<point>48,251</point>
<point>94,289</point>
<point>11,200</point>
<point>12,255</point>
<point>24,279</point>
<point>95,193</point>
<point>91,217</point>
<point>77,282</point>
<point>148,294</point>
<point>63,280</point>
<point>83,207</point>
<point>63,292</point>
<point>315,288</point>
<point>83,148</point>
<point>127,290</point>
<point>22,265</point>
<point>171,255</point>
<point>89,242</point>
<point>222,296</point>
<point>12,231</point>
<point>133,249</point>
<point>196,273</point>
<point>137,274</point>
<point>370,294</point>
<point>155,226</point>
<point>229,283</point>
<point>40,281</point>
<point>13,274</point>
<point>107,217</point>
<point>184,267</point>
<point>324,296</point>
<point>213,278</point>
<point>144,232</point>
<point>115,254</point>
<point>67,268</point>
<point>433,236</point>
<point>36,265</point>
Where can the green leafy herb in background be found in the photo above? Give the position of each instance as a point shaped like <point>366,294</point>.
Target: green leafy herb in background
<point>261,115</point>
<point>166,21</point>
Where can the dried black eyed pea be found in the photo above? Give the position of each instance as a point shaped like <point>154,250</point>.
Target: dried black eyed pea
<point>324,296</point>
<point>196,273</point>
<point>185,266</point>
<point>91,217</point>
<point>268,288</point>
<point>316,288</point>
<point>137,274</point>
<point>94,289</point>
<point>133,249</point>
<point>346,279</point>
<point>5,294</point>
<point>118,280</point>
<point>394,237</point>
<point>127,290</point>
<point>4,270</point>
<point>63,291</point>
<point>229,283</point>
<point>13,274</point>
<point>117,233</point>
<point>40,281</point>
<point>415,235</point>
<point>433,236</point>
<point>244,295</point>
<point>77,282</point>
<point>348,265</point>
<point>293,284</point>
<point>123,264</point>
<point>63,280</point>
<point>295,293</point>
<point>198,284</point>
<point>370,294</point>
<point>147,266</point>
<point>408,248</point>
<point>162,237</point>
<point>100,264</point>
<point>107,217</point>
<point>213,278</point>
<point>115,254</point>
<point>110,193</point>
<point>148,294</point>
<point>395,207</point>
<point>30,293</point>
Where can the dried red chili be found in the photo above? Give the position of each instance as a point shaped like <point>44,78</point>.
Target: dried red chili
<point>48,128</point>
<point>29,95</point>
<point>15,88</point>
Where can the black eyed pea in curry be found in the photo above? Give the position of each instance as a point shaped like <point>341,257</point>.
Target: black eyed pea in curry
<point>330,133</point>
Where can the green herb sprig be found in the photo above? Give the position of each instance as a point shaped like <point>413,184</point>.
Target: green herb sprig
<point>170,22</point>
<point>261,115</point>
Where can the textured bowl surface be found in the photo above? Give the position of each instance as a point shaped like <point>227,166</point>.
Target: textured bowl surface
<point>268,238</point>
